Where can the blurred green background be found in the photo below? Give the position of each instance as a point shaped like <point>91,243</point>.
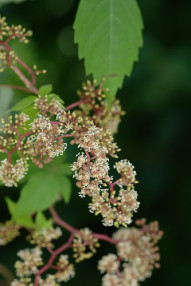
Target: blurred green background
<point>154,134</point>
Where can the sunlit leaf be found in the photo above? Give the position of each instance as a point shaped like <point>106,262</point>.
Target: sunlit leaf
<point>23,221</point>
<point>38,194</point>
<point>45,90</point>
<point>11,205</point>
<point>66,169</point>
<point>25,102</point>
<point>65,187</point>
<point>55,97</point>
<point>41,221</point>
<point>32,113</point>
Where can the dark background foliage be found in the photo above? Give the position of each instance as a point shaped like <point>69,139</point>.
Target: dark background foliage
<point>154,134</point>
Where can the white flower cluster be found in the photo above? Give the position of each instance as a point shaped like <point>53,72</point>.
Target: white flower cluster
<point>66,271</point>
<point>10,173</point>
<point>127,172</point>
<point>30,260</point>
<point>8,231</point>
<point>137,255</point>
<point>46,141</point>
<point>84,245</point>
<point>43,237</point>
<point>92,173</point>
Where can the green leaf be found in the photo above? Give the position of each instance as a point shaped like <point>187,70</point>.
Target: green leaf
<point>65,187</point>
<point>41,221</point>
<point>45,90</point>
<point>24,221</point>
<point>56,97</point>
<point>57,161</point>
<point>66,169</point>
<point>27,101</point>
<point>109,34</point>
<point>11,205</point>
<point>38,194</point>
<point>32,113</point>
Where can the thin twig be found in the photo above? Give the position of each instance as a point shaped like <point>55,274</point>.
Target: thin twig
<point>61,222</point>
<point>73,230</point>
<point>24,79</point>
<point>71,106</point>
<point>16,87</point>
<point>52,258</point>
<point>24,65</point>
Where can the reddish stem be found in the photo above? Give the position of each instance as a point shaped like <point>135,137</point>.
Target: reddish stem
<point>24,79</point>
<point>15,87</point>
<point>73,230</point>
<point>116,182</point>
<point>110,186</point>
<point>21,137</point>
<point>5,151</point>
<point>64,136</point>
<point>49,249</point>
<point>105,238</point>
<point>25,66</point>
<point>17,132</point>
<point>61,222</point>
<point>94,157</point>
<point>55,267</point>
<point>87,154</point>
<point>52,258</point>
<point>5,45</point>
<point>8,39</point>
<point>71,106</point>
<point>118,268</point>
<point>17,145</point>
<point>56,122</point>
<point>19,141</point>
<point>9,158</point>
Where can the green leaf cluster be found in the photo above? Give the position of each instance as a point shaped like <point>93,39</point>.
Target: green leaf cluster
<point>40,220</point>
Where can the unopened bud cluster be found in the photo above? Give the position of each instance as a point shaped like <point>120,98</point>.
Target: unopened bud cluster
<point>66,269</point>
<point>37,71</point>
<point>13,31</point>
<point>8,232</point>
<point>43,237</point>
<point>84,245</point>
<point>95,106</point>
<point>7,59</point>
<point>11,174</point>
<point>31,259</point>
